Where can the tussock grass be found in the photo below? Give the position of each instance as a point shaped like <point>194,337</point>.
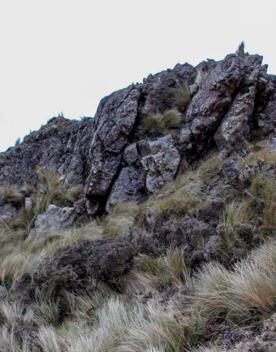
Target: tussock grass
<point>48,340</point>
<point>120,220</point>
<point>170,119</point>
<point>165,270</point>
<point>264,187</point>
<point>235,214</point>
<point>177,198</point>
<point>209,168</point>
<point>11,312</point>
<point>182,97</point>
<point>9,343</point>
<point>52,191</point>
<point>134,328</point>
<point>232,244</point>
<point>46,311</point>
<point>10,194</point>
<point>261,152</point>
<point>20,254</point>
<point>247,292</point>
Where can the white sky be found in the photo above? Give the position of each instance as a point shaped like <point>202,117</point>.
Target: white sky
<point>65,55</point>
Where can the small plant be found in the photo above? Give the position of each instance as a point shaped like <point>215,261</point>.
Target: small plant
<point>48,340</point>
<point>247,292</point>
<point>165,270</point>
<point>52,191</point>
<point>209,168</point>
<point>232,244</point>
<point>264,187</point>
<point>163,123</point>
<point>182,97</point>
<point>10,194</point>
<point>120,220</point>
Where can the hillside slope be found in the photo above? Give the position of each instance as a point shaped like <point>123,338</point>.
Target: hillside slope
<point>150,227</point>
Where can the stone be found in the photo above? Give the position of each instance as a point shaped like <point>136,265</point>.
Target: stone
<point>28,203</point>
<point>161,162</point>
<point>54,219</point>
<point>129,186</point>
<point>7,212</point>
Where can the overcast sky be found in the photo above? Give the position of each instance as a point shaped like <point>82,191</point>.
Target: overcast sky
<point>65,55</point>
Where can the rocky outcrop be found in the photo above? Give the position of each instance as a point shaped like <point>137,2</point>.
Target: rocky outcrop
<point>116,159</point>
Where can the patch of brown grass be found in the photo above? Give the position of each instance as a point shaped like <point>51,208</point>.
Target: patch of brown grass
<point>162,123</point>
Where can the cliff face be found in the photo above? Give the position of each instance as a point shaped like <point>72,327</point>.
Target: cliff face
<point>116,156</point>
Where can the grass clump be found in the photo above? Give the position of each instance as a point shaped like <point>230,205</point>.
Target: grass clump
<point>234,240</point>
<point>120,220</point>
<point>209,168</point>
<point>10,194</point>
<point>48,340</point>
<point>162,123</point>
<point>263,187</point>
<point>260,152</point>
<point>124,327</point>
<point>165,270</point>
<point>182,97</point>
<point>245,293</point>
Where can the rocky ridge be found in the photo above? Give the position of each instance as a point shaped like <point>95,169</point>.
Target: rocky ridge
<point>116,159</point>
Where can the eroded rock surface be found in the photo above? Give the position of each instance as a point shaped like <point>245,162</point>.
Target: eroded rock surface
<point>115,159</point>
<point>55,218</point>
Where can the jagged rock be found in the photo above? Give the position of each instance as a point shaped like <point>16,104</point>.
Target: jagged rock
<point>230,101</point>
<point>234,127</point>
<point>3,292</point>
<point>160,162</point>
<point>114,121</point>
<point>129,186</point>
<point>7,212</point>
<point>159,89</point>
<point>55,218</point>
<point>214,98</point>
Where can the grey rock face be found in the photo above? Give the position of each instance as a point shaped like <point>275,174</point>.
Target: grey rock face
<point>3,292</point>
<point>116,160</point>
<point>160,162</point>
<point>7,212</point>
<point>129,186</point>
<point>55,218</point>
<point>114,122</point>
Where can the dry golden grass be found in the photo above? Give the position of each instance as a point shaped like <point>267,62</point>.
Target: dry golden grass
<point>165,270</point>
<point>264,187</point>
<point>48,340</point>
<point>262,151</point>
<point>123,327</point>
<point>120,220</point>
<point>163,123</point>
<point>209,168</point>
<point>182,97</point>
<point>10,194</point>
<point>20,254</point>
<point>245,293</point>
<point>177,198</point>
